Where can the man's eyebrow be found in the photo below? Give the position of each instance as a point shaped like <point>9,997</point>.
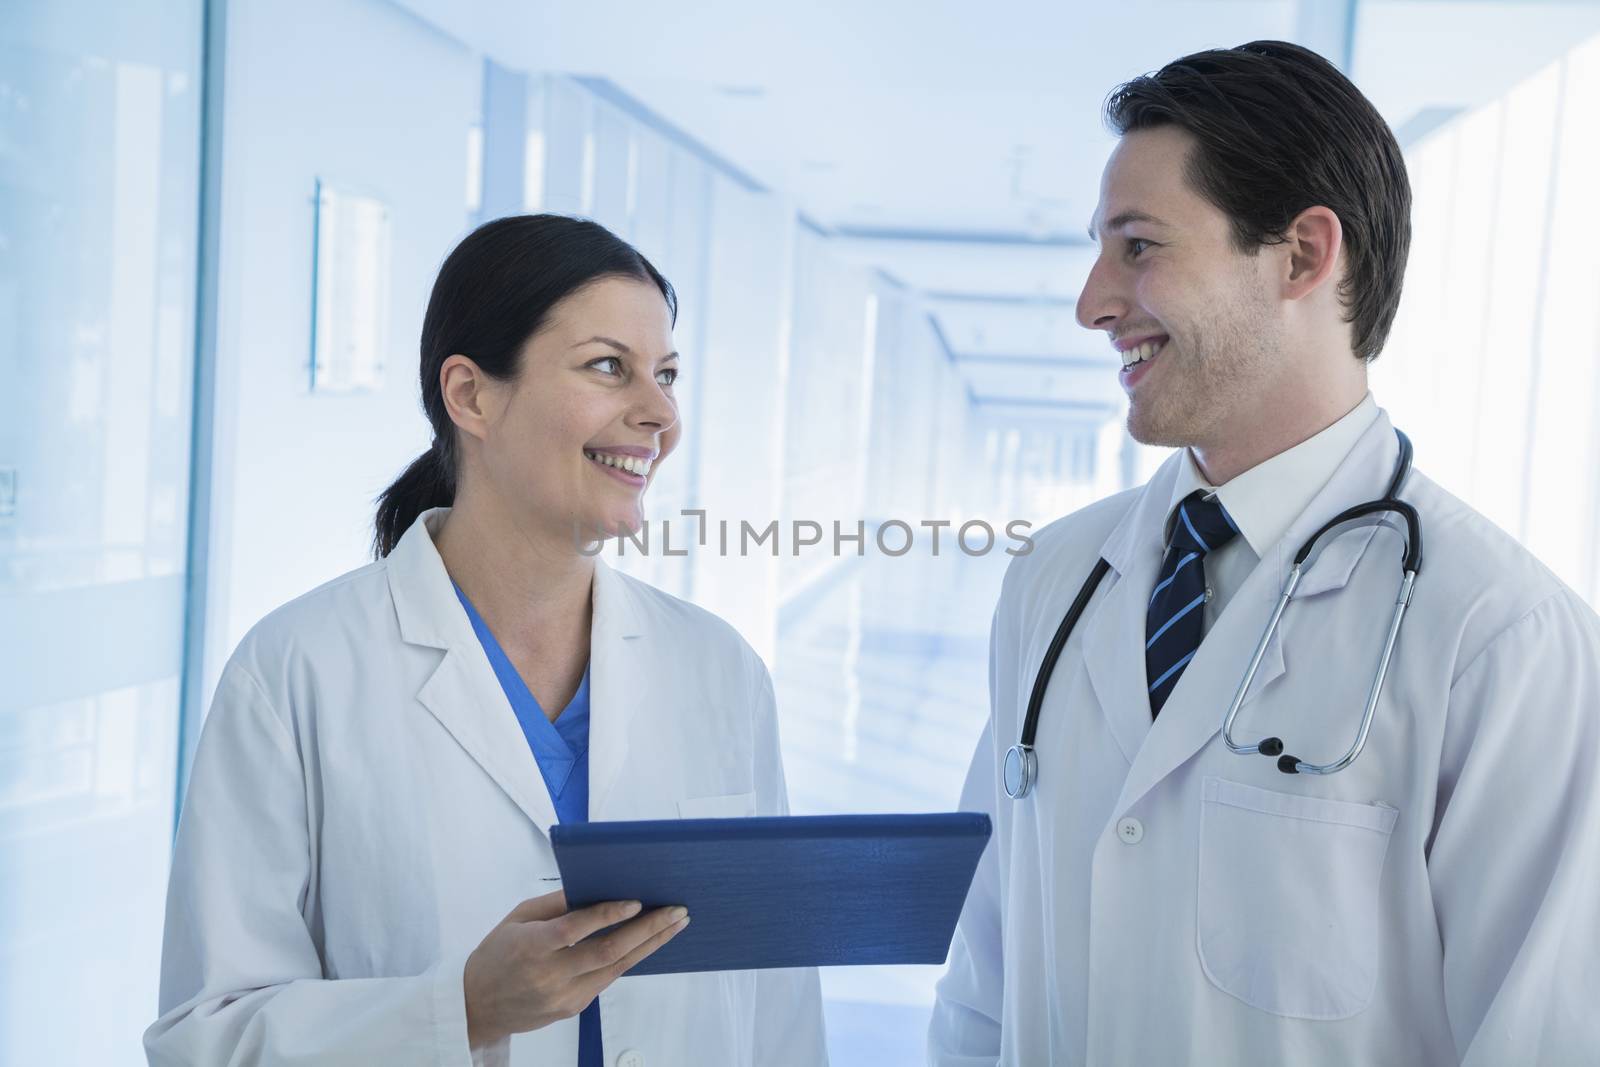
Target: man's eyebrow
<point>1125,219</point>
<point>619,346</point>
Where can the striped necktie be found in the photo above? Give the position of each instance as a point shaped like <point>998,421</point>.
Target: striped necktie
<point>1173,620</point>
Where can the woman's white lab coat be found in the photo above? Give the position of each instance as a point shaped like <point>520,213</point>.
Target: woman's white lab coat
<point>1161,900</point>
<point>364,809</point>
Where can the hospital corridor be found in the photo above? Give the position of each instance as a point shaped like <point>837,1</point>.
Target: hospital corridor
<point>875,252</point>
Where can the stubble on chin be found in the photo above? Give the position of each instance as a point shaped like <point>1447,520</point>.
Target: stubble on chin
<point>1166,418</point>
<point>1201,392</point>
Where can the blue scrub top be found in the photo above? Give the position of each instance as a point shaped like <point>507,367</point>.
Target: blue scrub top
<point>562,751</point>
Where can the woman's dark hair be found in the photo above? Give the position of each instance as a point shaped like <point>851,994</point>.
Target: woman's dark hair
<point>493,293</point>
<point>1279,129</point>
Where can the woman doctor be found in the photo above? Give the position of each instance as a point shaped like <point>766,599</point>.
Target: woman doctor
<point>363,872</point>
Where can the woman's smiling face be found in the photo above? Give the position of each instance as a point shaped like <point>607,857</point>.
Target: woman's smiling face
<point>572,442</point>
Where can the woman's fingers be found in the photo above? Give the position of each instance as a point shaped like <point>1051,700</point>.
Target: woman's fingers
<point>536,966</point>
<point>574,926</point>
<point>627,963</point>
<point>539,909</point>
<point>648,932</point>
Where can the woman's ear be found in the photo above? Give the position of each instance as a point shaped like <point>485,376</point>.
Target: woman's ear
<point>1314,241</point>
<point>468,395</point>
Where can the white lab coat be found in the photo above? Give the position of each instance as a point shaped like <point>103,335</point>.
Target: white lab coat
<point>364,809</point>
<point>1159,900</point>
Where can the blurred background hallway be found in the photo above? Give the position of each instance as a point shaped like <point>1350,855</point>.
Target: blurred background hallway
<point>219,220</point>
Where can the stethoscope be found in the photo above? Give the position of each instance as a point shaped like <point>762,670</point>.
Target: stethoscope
<point>1022,763</point>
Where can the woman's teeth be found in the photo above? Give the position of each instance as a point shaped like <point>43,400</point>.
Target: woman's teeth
<point>630,464</point>
<point>1141,353</point>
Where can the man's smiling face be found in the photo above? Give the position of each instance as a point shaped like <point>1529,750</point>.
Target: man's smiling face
<point>1193,318</point>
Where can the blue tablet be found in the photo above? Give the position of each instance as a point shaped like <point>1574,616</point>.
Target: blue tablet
<point>793,891</point>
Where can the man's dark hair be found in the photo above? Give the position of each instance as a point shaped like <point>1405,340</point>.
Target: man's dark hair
<point>1279,129</point>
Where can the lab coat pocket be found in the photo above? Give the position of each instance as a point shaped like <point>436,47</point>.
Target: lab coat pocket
<point>1288,898</point>
<point>731,806</point>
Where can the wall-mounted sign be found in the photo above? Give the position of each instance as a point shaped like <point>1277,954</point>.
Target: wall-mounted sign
<point>350,297</point>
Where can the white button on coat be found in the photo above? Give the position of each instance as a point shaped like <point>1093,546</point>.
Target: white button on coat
<point>631,1058</point>
<point>1130,830</point>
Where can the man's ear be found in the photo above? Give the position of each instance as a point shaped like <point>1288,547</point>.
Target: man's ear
<point>1313,241</point>
<point>468,399</point>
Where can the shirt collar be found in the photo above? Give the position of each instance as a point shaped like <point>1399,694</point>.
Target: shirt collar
<point>1266,499</point>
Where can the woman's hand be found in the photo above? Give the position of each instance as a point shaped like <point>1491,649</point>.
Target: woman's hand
<point>531,971</point>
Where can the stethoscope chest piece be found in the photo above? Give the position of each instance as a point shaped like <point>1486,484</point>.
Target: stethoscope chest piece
<point>1021,771</point>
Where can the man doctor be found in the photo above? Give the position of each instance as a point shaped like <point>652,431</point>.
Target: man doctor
<point>1156,898</point>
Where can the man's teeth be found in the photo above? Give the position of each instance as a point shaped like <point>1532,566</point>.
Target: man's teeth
<point>640,467</point>
<point>1141,353</point>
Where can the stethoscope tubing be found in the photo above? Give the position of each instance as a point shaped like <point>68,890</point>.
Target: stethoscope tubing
<point>1021,766</point>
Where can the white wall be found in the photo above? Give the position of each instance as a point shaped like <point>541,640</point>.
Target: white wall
<point>827,407</point>
<point>1493,366</point>
<point>363,96</point>
<point>744,368</point>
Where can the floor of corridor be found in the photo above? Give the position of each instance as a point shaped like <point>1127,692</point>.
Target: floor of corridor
<point>881,678</point>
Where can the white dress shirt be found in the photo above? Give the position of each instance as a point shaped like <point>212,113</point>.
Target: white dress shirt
<point>1266,499</point>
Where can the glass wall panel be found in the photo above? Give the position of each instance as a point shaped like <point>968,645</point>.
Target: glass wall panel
<point>99,161</point>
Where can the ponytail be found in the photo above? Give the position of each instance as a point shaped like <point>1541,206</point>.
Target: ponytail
<point>428,483</point>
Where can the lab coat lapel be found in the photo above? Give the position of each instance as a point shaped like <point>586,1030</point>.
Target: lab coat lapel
<point>463,692</point>
<point>618,648</point>
<point>1193,712</point>
<point>1113,641</point>
<point>1192,715</point>
<point>1363,476</point>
